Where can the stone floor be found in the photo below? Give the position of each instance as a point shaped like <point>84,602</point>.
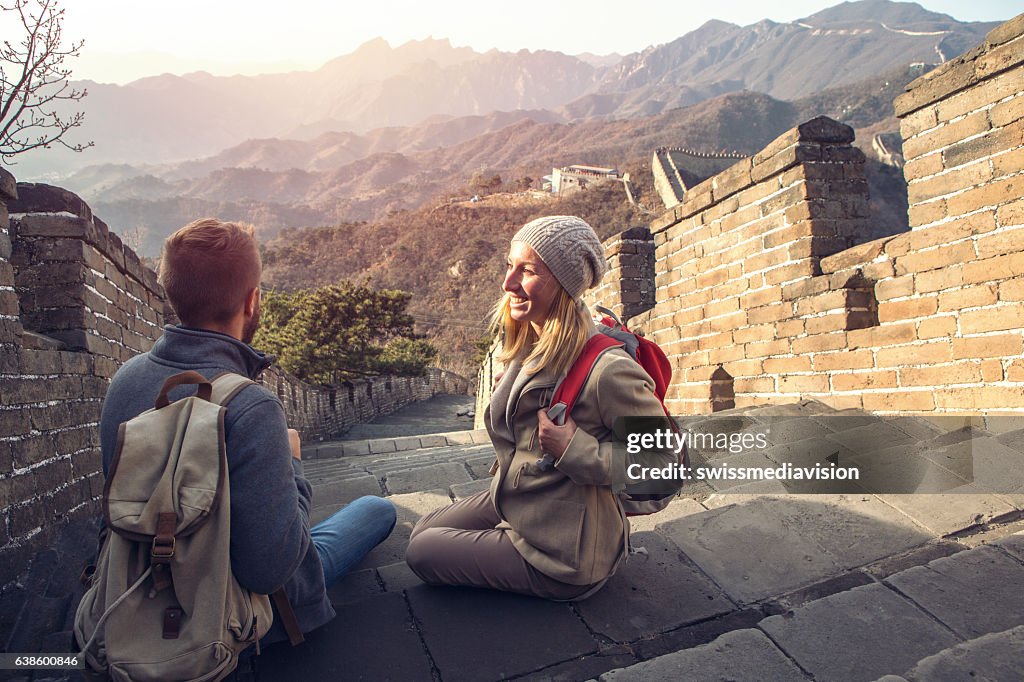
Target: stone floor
<point>728,583</point>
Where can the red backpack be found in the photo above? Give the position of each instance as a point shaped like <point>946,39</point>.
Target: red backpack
<point>614,334</point>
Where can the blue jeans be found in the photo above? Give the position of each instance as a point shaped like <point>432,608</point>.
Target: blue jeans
<point>343,539</point>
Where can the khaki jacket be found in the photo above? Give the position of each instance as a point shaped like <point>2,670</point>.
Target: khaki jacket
<point>566,521</point>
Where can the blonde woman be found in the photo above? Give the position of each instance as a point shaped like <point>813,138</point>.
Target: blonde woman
<point>555,531</point>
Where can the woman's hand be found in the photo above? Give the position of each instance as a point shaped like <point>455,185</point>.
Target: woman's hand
<point>554,439</point>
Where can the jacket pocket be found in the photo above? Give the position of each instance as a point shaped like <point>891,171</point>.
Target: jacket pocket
<point>555,527</point>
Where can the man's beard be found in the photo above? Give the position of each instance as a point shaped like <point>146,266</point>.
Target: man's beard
<point>249,331</point>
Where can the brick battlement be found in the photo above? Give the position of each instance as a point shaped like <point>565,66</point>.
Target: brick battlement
<point>763,293</point>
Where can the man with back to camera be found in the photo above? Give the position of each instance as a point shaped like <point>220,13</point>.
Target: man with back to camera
<point>211,272</point>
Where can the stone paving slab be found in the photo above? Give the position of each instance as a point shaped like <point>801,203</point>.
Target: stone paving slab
<point>355,586</point>
<point>398,577</point>
<point>461,491</point>
<point>759,546</point>
<point>487,635</point>
<point>945,513</point>
<point>996,657</point>
<point>430,477</point>
<point>973,593</point>
<point>1014,544</point>
<point>410,507</point>
<point>340,493</point>
<point>857,635</point>
<point>739,656</point>
<point>986,462</point>
<point>633,603</point>
<point>870,437</point>
<point>749,551</point>
<point>344,648</point>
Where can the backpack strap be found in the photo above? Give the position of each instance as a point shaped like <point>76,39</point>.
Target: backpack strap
<point>571,386</point>
<point>225,387</point>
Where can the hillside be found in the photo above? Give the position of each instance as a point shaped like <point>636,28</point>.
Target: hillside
<point>449,255</point>
<point>398,168</point>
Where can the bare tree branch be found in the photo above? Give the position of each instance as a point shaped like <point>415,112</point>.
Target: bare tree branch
<point>38,80</point>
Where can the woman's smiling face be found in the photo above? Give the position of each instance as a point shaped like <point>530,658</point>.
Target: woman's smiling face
<point>531,287</point>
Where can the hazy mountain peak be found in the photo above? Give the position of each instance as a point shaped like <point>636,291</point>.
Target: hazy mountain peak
<point>884,11</point>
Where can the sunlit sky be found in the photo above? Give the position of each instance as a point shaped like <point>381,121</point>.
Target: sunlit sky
<point>128,39</point>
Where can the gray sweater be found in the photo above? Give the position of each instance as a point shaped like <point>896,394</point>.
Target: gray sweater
<point>270,499</point>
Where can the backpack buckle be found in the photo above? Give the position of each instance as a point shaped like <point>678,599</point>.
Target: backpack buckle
<point>162,550</point>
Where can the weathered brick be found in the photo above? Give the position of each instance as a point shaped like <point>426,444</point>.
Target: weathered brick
<point>968,297</point>
<point>992,346</point>
<point>991,194</point>
<point>899,401</point>
<point>769,313</point>
<point>942,375</point>
<point>1008,163</point>
<point>14,422</point>
<point>889,311</point>
<point>1012,290</point>
<point>32,450</point>
<point>931,353</point>
<point>754,385</point>
<point>860,381</point>
<point>802,383</point>
<point>946,134</point>
<point>919,122</point>
<point>933,259</point>
<point>788,328</point>
<point>895,287</point>
<point>819,342</point>
<point>991,371</point>
<point>1001,242</point>
<point>994,269</point>
<point>843,359</point>
<point>763,349</point>
<point>1000,318</point>
<point>926,214</point>
<point>803,288</point>
<point>792,364</point>
<point>886,335</point>
<point>980,398</point>
<point>945,233</point>
<point>1007,112</point>
<point>940,280</point>
<point>761,332</point>
<point>979,149</point>
<point>923,167</point>
<point>951,181</point>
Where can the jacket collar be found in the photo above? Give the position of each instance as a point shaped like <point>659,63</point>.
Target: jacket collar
<point>188,347</point>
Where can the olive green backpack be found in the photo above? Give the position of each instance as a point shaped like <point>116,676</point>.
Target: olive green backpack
<point>163,603</point>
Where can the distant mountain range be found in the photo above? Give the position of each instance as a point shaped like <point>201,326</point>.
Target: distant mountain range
<point>168,118</point>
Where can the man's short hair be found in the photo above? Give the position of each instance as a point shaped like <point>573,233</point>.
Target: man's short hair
<point>207,268</point>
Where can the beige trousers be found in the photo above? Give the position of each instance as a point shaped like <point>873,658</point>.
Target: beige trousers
<point>459,545</point>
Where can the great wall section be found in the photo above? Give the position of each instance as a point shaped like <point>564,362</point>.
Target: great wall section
<point>757,287</point>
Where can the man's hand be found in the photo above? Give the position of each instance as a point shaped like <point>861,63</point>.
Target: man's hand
<point>296,445</point>
<point>554,439</point>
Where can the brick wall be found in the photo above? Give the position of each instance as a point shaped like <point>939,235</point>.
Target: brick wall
<point>75,303</point>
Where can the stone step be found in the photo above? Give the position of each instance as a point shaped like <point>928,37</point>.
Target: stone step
<point>379,446</point>
<point>995,656</point>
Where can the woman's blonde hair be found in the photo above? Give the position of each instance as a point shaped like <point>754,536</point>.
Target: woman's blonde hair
<point>565,331</point>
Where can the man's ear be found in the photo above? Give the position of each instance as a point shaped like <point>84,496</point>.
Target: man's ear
<point>252,301</point>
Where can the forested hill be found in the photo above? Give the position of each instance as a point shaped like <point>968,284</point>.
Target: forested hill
<point>450,256</point>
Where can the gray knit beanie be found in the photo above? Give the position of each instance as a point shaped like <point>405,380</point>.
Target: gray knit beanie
<point>569,247</point>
